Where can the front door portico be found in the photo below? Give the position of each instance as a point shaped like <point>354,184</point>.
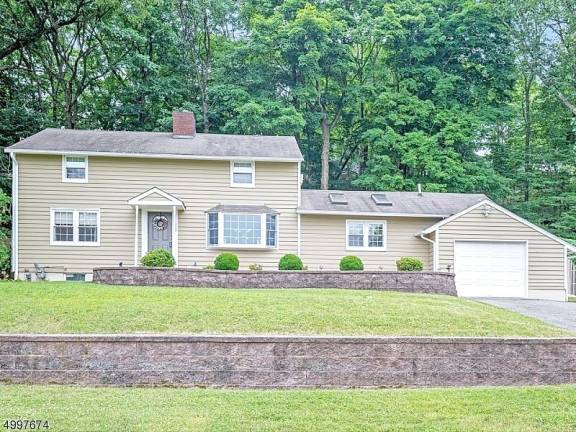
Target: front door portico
<point>156,222</point>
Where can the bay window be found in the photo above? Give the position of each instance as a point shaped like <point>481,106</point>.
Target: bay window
<point>242,230</point>
<point>365,235</point>
<point>74,227</point>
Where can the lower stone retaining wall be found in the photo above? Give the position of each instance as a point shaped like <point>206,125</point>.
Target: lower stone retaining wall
<point>284,362</point>
<point>414,282</point>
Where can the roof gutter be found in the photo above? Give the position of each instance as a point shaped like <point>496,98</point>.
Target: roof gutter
<point>150,155</point>
<point>368,214</point>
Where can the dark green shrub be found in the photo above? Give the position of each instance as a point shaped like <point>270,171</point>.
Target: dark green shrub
<point>409,264</point>
<point>5,258</point>
<point>290,262</point>
<point>226,261</point>
<point>351,263</point>
<point>158,258</point>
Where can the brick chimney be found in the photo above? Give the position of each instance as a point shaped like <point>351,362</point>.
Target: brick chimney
<point>183,124</point>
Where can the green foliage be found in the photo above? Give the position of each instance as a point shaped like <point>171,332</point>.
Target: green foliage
<point>409,264</point>
<point>351,263</point>
<point>227,261</point>
<point>460,96</point>
<point>290,262</point>
<point>158,258</point>
<point>5,260</point>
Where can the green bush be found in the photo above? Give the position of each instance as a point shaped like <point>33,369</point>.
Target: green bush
<point>158,258</point>
<point>351,263</point>
<point>226,261</point>
<point>5,258</point>
<point>409,264</point>
<point>290,262</point>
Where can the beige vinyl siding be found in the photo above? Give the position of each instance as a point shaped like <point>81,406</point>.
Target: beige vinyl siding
<point>545,256</point>
<point>113,181</point>
<point>324,242</point>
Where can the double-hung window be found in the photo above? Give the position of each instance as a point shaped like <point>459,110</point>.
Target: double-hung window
<point>242,230</point>
<point>75,169</point>
<point>242,174</point>
<point>74,227</point>
<point>365,235</point>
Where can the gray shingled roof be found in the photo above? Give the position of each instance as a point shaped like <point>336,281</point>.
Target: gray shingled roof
<point>162,143</point>
<point>231,208</point>
<point>409,203</point>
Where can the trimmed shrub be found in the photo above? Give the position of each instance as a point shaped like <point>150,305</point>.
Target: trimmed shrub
<point>409,264</point>
<point>226,261</point>
<point>158,258</point>
<point>351,263</point>
<point>290,262</point>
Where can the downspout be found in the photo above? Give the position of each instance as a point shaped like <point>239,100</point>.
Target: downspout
<point>14,265</point>
<point>434,255</point>
<point>298,222</point>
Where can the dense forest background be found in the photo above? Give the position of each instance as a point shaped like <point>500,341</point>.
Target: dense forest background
<point>458,95</point>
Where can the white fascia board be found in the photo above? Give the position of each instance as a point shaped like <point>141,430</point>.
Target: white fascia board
<point>367,214</point>
<point>151,155</point>
<point>170,199</point>
<point>507,213</point>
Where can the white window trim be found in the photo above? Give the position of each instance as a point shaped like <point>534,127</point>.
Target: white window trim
<point>243,185</point>
<point>66,179</point>
<point>261,245</point>
<point>75,224</point>
<point>365,233</point>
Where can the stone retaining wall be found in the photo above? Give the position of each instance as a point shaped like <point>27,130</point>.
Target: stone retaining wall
<point>284,362</point>
<point>414,282</point>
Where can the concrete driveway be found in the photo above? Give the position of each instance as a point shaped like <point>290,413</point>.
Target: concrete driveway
<point>560,314</point>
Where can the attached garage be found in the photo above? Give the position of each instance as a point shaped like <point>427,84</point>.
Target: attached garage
<point>495,253</point>
<point>491,269</point>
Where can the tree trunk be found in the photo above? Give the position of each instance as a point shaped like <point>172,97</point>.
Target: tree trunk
<point>205,107</point>
<point>527,108</point>
<point>325,157</point>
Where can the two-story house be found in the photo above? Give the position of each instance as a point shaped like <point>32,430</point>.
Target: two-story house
<point>84,199</point>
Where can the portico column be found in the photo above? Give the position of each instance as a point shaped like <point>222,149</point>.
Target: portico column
<point>175,233</point>
<point>136,238</point>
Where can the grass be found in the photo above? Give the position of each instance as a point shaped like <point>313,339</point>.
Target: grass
<point>572,299</point>
<point>60,307</point>
<point>176,409</point>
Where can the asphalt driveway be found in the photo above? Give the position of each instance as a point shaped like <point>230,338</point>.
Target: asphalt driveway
<point>560,314</point>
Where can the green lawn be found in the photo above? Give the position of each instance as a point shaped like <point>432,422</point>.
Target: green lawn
<point>90,308</point>
<point>177,409</point>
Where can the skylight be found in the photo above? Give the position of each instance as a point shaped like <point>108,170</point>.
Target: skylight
<point>338,198</point>
<point>381,199</point>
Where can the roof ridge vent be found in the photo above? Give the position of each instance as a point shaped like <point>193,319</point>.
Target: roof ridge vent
<point>381,199</point>
<point>337,198</point>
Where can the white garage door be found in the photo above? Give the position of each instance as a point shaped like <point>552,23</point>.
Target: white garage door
<point>490,269</point>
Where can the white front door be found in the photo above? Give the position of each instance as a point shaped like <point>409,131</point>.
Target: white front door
<point>490,269</point>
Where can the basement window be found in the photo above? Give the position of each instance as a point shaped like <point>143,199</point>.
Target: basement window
<point>76,277</point>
